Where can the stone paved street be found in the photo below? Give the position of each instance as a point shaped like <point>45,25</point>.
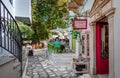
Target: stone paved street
<point>39,66</point>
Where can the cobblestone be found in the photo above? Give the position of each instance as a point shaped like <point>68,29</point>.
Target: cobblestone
<point>41,67</point>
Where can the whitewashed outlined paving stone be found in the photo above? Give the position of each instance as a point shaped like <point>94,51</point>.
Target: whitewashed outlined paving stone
<point>39,66</point>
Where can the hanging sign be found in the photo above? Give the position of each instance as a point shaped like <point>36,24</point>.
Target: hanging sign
<point>79,24</point>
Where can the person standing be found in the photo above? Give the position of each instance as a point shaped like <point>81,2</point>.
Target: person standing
<point>57,44</point>
<point>62,45</point>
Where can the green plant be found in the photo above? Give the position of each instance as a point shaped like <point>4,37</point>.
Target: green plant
<point>54,33</point>
<point>47,15</point>
<point>26,30</point>
<point>75,33</point>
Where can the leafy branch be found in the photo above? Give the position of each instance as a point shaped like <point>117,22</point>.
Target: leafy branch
<point>75,33</point>
<point>47,15</point>
<point>26,30</point>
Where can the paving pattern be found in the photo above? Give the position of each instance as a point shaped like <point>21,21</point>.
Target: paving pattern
<point>39,66</point>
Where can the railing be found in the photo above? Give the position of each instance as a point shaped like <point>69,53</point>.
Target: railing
<point>10,36</point>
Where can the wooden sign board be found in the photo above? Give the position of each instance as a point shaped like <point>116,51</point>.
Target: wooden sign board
<point>79,24</point>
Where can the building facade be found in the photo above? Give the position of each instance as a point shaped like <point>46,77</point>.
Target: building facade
<point>11,38</point>
<point>23,13</point>
<point>87,34</point>
<point>105,28</point>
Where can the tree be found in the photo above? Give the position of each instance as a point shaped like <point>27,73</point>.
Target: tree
<point>47,15</point>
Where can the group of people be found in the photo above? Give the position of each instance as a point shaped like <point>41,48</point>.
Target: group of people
<point>61,44</point>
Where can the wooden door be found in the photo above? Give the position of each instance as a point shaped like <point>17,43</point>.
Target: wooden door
<point>102,58</point>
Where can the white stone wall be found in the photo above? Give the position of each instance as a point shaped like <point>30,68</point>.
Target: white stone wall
<point>111,45</point>
<point>83,32</point>
<point>86,7</point>
<point>91,52</point>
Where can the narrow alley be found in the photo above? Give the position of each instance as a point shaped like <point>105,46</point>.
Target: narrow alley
<point>59,38</point>
<point>53,66</point>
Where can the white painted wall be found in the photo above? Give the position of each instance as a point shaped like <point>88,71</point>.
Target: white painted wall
<point>71,13</point>
<point>20,8</point>
<point>117,38</point>
<point>111,45</point>
<point>10,7</point>
<point>23,8</point>
<point>86,7</point>
<point>83,33</point>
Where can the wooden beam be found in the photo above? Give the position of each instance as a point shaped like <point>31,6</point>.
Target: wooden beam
<point>78,2</point>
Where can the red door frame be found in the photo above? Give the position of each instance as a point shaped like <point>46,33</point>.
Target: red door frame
<point>102,65</point>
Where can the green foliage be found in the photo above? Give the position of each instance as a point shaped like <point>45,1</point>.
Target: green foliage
<point>75,33</point>
<point>54,33</point>
<point>47,15</point>
<point>26,30</point>
<point>53,49</point>
<point>41,32</point>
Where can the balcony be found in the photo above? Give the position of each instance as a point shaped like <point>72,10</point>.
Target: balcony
<point>23,11</point>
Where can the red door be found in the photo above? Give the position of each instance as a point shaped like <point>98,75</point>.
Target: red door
<point>102,64</point>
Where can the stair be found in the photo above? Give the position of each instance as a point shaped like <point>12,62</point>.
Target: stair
<point>9,68</point>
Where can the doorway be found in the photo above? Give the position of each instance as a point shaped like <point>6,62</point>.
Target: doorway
<point>102,48</point>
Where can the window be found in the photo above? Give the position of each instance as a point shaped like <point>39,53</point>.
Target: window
<point>104,42</point>
<point>87,45</point>
<point>83,44</point>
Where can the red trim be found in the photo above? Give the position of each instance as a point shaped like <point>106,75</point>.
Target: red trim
<point>79,20</point>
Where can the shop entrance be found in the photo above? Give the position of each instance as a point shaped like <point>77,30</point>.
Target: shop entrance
<point>102,48</point>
